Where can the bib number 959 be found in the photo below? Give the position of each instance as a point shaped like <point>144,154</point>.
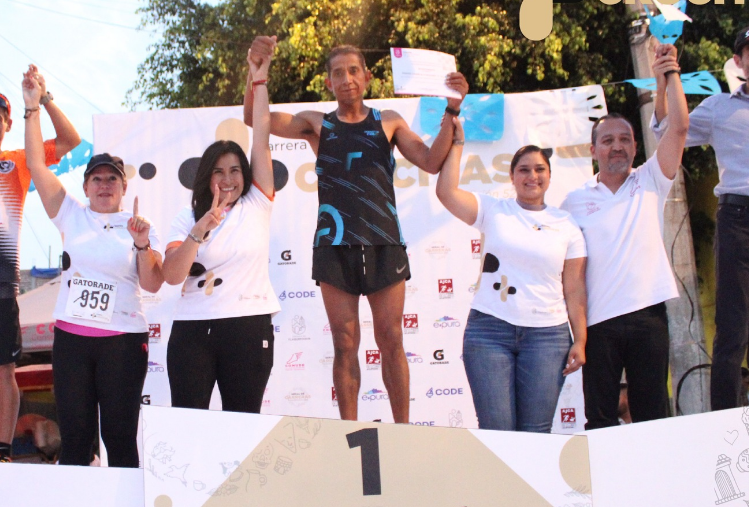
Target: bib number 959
<point>94,300</point>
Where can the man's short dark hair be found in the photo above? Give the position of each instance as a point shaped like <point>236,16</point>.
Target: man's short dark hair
<point>610,116</point>
<point>742,39</point>
<point>345,50</point>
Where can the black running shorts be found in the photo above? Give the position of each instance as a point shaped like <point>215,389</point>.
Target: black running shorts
<point>10,331</point>
<point>360,269</point>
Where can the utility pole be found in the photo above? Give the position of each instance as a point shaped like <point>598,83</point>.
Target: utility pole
<point>684,314</point>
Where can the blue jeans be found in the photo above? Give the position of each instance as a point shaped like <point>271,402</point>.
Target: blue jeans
<point>515,372</point>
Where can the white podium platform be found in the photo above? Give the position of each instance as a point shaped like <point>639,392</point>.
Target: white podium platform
<point>23,485</point>
<point>204,458</point>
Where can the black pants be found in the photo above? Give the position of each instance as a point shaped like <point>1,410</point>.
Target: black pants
<point>237,352</point>
<point>731,305</point>
<point>637,342</point>
<point>107,372</point>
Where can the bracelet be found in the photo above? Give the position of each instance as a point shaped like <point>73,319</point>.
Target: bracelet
<point>195,238</point>
<point>454,112</point>
<point>147,246</point>
<point>259,82</point>
<point>27,113</point>
<point>459,142</point>
<point>46,99</point>
<point>669,72</point>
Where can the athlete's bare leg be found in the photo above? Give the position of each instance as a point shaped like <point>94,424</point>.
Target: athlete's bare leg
<point>9,402</point>
<point>387,313</point>
<point>343,314</point>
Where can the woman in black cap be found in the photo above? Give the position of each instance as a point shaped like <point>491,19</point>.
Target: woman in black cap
<point>100,352</point>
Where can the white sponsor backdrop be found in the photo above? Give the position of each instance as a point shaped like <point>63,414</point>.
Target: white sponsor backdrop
<point>158,145</point>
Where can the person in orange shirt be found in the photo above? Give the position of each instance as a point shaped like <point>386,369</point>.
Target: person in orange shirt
<point>14,184</point>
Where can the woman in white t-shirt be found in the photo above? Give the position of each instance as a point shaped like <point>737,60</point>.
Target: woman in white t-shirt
<point>517,347</point>
<point>100,352</point>
<point>218,246</point>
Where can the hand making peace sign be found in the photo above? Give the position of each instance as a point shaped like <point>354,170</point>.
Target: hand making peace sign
<point>213,216</point>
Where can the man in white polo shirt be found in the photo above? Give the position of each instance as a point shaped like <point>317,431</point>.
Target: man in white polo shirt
<point>620,212</point>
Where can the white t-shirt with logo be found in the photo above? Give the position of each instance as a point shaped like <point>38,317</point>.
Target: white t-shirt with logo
<point>523,259</point>
<point>628,268</point>
<point>229,276</point>
<point>98,247</point>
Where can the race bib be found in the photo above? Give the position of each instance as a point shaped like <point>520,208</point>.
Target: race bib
<point>91,299</point>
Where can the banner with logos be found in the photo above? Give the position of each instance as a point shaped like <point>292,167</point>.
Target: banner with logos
<point>196,458</point>
<point>162,148</point>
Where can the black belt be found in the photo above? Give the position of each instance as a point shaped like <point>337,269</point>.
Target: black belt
<point>736,199</point>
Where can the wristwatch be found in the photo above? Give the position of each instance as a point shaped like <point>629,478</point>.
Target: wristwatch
<point>46,99</point>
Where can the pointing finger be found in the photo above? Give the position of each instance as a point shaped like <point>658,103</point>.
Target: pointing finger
<point>135,206</point>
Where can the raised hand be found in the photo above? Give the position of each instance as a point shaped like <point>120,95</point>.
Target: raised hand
<point>665,62</point>
<point>32,90</point>
<point>138,227</point>
<point>262,48</point>
<point>665,49</point>
<point>457,82</point>
<point>459,134</point>
<point>213,216</point>
<point>34,70</point>
<point>259,69</point>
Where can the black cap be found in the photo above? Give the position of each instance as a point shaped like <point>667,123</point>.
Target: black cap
<point>5,103</point>
<point>105,159</point>
<point>742,39</point>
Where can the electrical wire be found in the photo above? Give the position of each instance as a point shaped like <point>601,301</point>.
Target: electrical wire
<point>681,383</point>
<point>681,281</point>
<point>80,17</point>
<point>102,6</point>
<point>47,71</point>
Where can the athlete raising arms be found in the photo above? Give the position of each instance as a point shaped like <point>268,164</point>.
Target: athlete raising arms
<point>358,245</point>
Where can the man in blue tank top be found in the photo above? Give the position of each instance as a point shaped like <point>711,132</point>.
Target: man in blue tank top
<point>358,245</point>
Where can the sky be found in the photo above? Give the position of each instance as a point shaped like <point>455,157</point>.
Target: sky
<point>88,52</point>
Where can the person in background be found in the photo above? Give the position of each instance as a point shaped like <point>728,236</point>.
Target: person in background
<point>14,184</point>
<point>722,121</point>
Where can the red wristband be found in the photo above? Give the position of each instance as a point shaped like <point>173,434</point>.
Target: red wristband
<point>259,82</point>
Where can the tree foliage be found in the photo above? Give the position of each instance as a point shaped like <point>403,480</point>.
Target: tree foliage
<point>200,60</point>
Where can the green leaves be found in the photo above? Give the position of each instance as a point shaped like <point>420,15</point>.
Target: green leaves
<point>200,59</point>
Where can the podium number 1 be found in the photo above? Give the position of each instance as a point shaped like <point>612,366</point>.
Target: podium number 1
<point>370,458</point>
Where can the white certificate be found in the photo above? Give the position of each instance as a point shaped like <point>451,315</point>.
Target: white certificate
<point>422,72</point>
<point>91,299</point>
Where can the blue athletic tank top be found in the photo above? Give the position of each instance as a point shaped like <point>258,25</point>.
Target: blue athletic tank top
<point>354,169</point>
